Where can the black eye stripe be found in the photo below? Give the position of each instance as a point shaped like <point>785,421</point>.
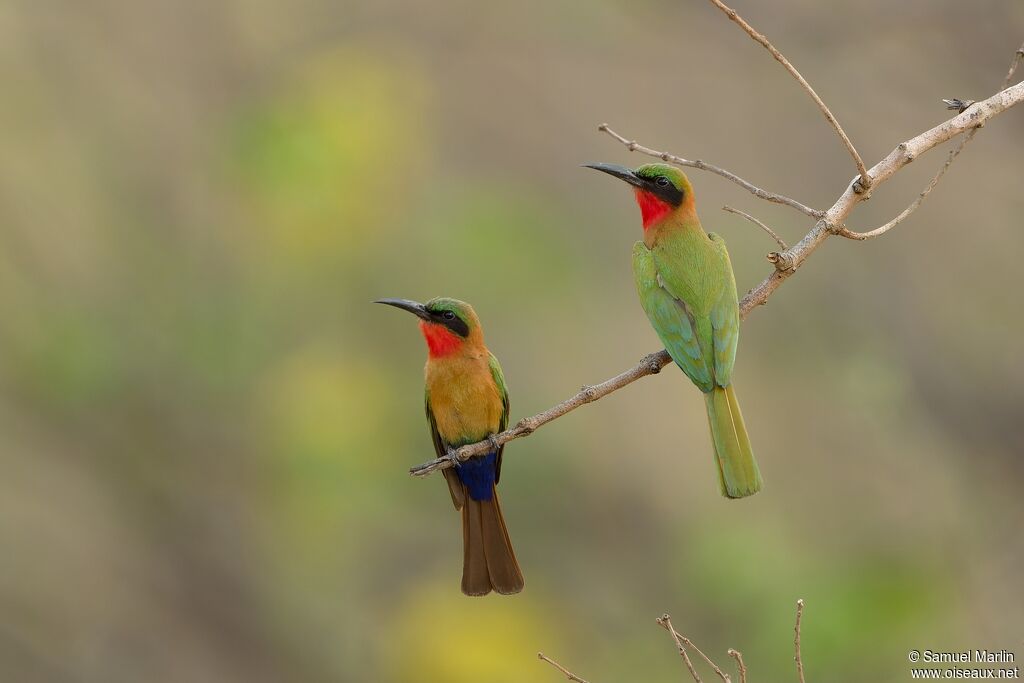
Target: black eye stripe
<point>663,188</point>
<point>450,320</point>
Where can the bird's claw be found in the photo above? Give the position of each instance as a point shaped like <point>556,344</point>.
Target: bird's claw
<point>958,105</point>
<point>453,457</point>
<point>493,439</point>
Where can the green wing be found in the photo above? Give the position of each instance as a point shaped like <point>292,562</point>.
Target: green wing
<point>439,445</point>
<point>671,319</point>
<point>499,379</point>
<point>725,318</point>
<point>441,448</point>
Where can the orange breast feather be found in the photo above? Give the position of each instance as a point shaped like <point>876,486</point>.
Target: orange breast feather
<point>464,399</point>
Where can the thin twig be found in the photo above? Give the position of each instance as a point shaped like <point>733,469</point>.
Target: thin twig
<point>796,640</point>
<point>738,656</point>
<point>778,240</point>
<point>568,674</point>
<point>634,146</point>
<point>721,674</point>
<point>1017,57</point>
<point>666,623</point>
<point>865,177</point>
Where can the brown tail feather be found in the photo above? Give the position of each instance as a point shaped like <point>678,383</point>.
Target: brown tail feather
<point>489,561</point>
<point>506,576</point>
<point>475,579</point>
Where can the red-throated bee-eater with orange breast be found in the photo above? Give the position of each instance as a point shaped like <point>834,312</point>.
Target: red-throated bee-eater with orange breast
<point>687,288</point>
<point>466,402</point>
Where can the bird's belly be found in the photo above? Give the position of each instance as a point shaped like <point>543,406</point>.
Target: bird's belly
<point>465,414</point>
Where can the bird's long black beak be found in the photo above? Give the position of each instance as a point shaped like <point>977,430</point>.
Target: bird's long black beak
<point>414,307</point>
<point>620,172</point>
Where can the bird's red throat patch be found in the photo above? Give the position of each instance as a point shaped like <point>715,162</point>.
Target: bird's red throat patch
<point>440,340</point>
<point>652,209</point>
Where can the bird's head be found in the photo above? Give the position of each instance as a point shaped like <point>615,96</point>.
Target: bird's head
<point>661,190</point>
<point>448,325</point>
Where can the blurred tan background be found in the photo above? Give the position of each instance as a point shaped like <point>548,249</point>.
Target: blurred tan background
<point>205,426</point>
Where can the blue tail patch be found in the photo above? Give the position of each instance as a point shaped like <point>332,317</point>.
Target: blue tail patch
<point>477,474</point>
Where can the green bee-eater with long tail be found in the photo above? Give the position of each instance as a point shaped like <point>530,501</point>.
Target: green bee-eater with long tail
<point>687,288</point>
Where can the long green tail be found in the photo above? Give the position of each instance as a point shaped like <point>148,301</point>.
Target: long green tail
<point>737,469</point>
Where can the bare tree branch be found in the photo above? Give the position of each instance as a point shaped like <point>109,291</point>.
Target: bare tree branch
<point>796,640</point>
<point>865,179</point>
<point>786,262</point>
<point>634,146</point>
<point>568,674</point>
<point>778,240</point>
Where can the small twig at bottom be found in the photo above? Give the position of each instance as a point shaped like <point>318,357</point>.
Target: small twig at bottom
<point>721,674</point>
<point>666,623</point>
<point>568,674</point>
<point>738,656</point>
<point>683,644</point>
<point>796,640</point>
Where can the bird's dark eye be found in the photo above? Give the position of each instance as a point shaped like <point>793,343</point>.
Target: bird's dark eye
<point>661,181</point>
<point>448,315</point>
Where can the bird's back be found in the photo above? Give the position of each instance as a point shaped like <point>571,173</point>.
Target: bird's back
<point>691,267</point>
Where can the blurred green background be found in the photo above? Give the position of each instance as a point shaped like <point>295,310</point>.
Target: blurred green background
<point>205,426</point>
